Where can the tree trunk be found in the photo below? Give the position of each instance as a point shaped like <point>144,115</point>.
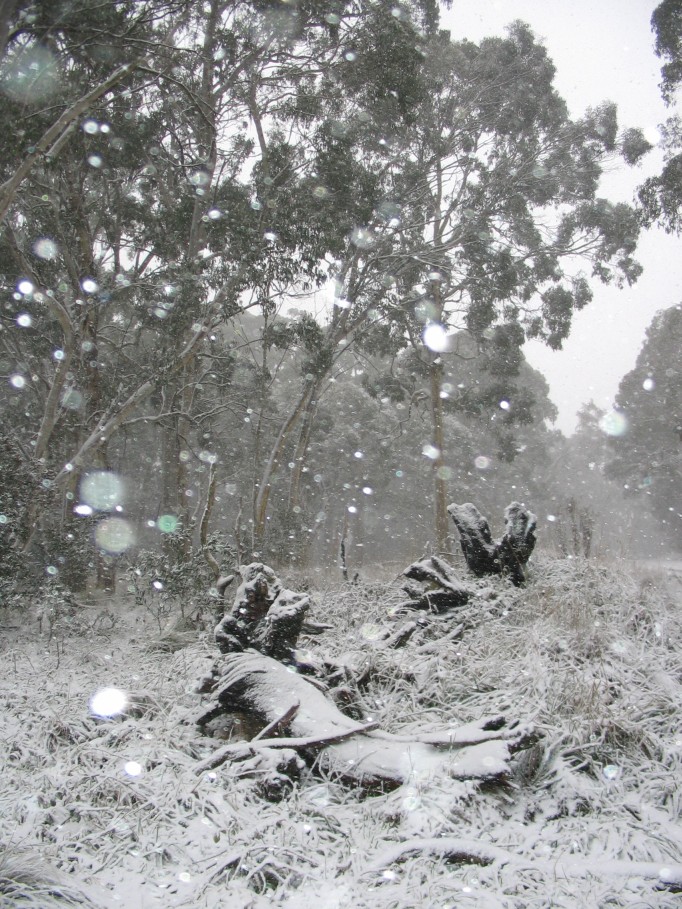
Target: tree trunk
<point>260,508</point>
<point>443,542</point>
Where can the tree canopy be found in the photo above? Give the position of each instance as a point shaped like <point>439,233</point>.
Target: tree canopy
<point>167,168</point>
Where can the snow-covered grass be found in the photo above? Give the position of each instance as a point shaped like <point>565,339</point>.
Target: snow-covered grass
<point>112,812</point>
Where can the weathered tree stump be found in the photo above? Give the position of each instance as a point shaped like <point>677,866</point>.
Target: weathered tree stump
<point>441,591</point>
<point>508,555</point>
<point>310,724</point>
<point>264,616</point>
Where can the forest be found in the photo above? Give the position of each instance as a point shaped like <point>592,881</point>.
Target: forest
<point>268,268</point>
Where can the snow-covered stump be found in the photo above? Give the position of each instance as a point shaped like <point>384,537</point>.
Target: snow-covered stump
<point>265,616</point>
<point>298,716</point>
<point>441,590</point>
<point>508,555</point>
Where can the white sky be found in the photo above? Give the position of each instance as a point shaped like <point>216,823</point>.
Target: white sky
<point>603,51</point>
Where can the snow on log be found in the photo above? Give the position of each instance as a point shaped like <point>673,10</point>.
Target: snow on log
<point>508,555</point>
<point>257,684</point>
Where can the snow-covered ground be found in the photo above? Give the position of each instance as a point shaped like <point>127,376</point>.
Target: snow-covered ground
<point>113,811</point>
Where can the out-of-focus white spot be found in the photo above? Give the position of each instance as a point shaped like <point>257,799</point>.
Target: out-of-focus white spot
<point>17,381</point>
<point>45,248</point>
<point>352,509</point>
<point>114,535</point>
<point>370,632</point>
<point>482,462</point>
<point>102,490</point>
<point>167,523</point>
<point>431,452</point>
<point>95,160</point>
<point>72,399</point>
<point>25,287</point>
<point>185,877</point>
<point>83,510</point>
<point>157,585</point>
<point>89,285</point>
<point>362,237</point>
<point>614,423</point>
<point>31,75</point>
<point>436,337</point>
<point>24,320</point>
<point>505,405</point>
<point>411,803</point>
<point>108,702</point>
<point>200,178</point>
<point>551,518</point>
<point>358,454</point>
<point>132,768</point>
<point>91,127</point>
<point>367,490</point>
<point>58,354</point>
<point>611,772</point>
<point>648,384</point>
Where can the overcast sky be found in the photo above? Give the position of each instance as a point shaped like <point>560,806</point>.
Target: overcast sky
<point>603,51</point>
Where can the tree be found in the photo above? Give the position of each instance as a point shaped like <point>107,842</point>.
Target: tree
<point>494,197</point>
<point>661,196</point>
<point>646,451</point>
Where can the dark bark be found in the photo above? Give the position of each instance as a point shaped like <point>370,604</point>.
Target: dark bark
<point>443,592</point>
<point>264,616</point>
<point>508,555</point>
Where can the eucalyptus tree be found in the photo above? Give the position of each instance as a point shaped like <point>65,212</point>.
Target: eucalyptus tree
<point>485,209</point>
<point>137,228</point>
<point>661,196</point>
<point>498,194</point>
<point>67,73</point>
<point>646,434</point>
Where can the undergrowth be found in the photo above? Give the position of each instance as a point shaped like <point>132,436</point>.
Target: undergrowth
<point>112,812</point>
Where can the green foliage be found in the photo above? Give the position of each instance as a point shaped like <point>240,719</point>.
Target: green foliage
<point>19,487</point>
<point>645,458</point>
<point>666,23</point>
<point>660,197</point>
<point>177,578</point>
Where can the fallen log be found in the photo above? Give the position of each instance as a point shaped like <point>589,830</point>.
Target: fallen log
<point>348,750</point>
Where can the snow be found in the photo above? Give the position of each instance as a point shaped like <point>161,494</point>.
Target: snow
<point>586,654</point>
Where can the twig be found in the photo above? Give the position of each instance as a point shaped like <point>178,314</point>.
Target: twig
<point>224,754</point>
<point>286,717</point>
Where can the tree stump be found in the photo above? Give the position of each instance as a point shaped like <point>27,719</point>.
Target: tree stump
<point>508,555</point>
<point>441,590</point>
<point>265,616</point>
